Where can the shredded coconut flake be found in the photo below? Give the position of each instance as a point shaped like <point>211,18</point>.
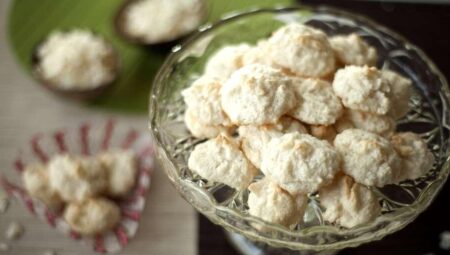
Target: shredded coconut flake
<point>76,60</point>
<point>156,21</point>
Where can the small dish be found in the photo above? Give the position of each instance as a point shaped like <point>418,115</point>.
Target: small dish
<point>81,94</point>
<point>164,43</point>
<point>87,139</point>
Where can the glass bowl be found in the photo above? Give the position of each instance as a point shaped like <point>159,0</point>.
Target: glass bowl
<point>401,204</point>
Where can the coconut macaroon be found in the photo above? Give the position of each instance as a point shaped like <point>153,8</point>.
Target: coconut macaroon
<point>369,158</point>
<point>76,60</point>
<point>92,216</point>
<point>257,54</point>
<point>203,100</point>
<point>317,103</point>
<point>383,125</point>
<point>327,133</point>
<point>348,203</point>
<point>273,204</point>
<point>255,139</point>
<point>417,159</point>
<point>201,130</point>
<point>122,169</point>
<point>401,91</point>
<point>220,160</point>
<point>353,50</point>
<point>363,88</point>
<point>306,126</point>
<point>257,94</point>
<point>37,184</point>
<point>303,50</point>
<point>300,163</point>
<point>289,125</point>
<point>226,61</point>
<point>155,21</point>
<point>77,179</point>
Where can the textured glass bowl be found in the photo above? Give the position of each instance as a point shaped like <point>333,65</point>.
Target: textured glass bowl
<point>401,204</point>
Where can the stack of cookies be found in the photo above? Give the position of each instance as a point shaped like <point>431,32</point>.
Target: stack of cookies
<point>302,113</point>
<point>84,187</point>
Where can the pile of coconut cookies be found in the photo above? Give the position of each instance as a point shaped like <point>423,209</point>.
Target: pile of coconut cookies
<point>85,188</point>
<point>309,113</point>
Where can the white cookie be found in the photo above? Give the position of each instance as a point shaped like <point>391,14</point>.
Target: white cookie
<point>203,100</point>
<point>401,91</point>
<point>289,125</point>
<point>327,133</point>
<point>273,204</point>
<point>201,130</point>
<point>37,184</point>
<point>122,169</point>
<point>257,54</point>
<point>77,179</point>
<point>383,125</point>
<point>317,103</point>
<point>220,160</point>
<point>353,50</point>
<point>300,163</point>
<point>256,138</point>
<point>348,203</point>
<point>257,94</point>
<point>226,61</point>
<point>92,216</point>
<point>417,159</point>
<point>362,88</point>
<point>369,158</point>
<point>303,50</point>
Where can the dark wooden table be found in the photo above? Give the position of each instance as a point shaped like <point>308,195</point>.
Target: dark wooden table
<point>427,26</point>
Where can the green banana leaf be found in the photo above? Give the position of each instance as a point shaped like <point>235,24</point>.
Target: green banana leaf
<point>30,21</point>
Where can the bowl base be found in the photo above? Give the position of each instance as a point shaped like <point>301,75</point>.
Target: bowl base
<point>247,247</point>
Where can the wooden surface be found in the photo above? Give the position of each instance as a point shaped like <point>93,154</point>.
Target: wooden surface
<point>168,225</point>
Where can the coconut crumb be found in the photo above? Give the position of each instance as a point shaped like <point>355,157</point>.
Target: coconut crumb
<point>4,246</point>
<point>4,204</point>
<point>14,231</point>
